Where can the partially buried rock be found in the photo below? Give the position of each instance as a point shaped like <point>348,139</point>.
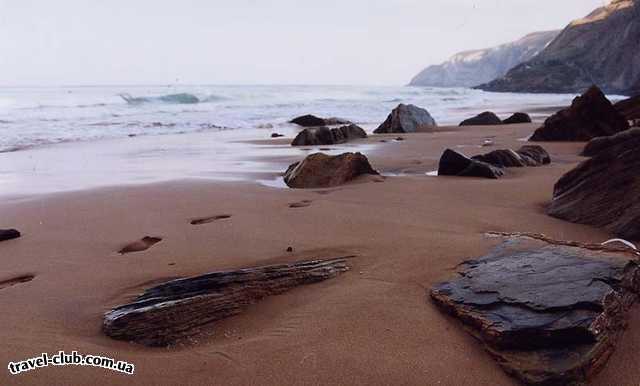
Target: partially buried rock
<point>320,170</point>
<point>407,119</point>
<point>313,121</point>
<point>276,135</point>
<point>9,234</point>
<point>603,191</point>
<point>534,155</point>
<point>598,144</point>
<point>453,163</point>
<point>484,119</point>
<point>517,118</point>
<point>171,312</point>
<point>327,136</point>
<point>590,115</point>
<point>548,312</point>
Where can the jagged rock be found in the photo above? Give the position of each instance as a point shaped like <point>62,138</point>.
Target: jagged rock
<point>406,119</point>
<point>629,108</point>
<point>590,115</point>
<point>327,136</point>
<point>517,118</point>
<point>483,119</point>
<point>320,170</point>
<point>9,234</point>
<point>173,311</point>
<point>601,48</point>
<point>598,144</point>
<point>453,163</point>
<point>602,191</point>
<point>550,314</point>
<point>313,121</point>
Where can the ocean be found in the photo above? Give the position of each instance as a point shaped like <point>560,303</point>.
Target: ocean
<point>67,138</point>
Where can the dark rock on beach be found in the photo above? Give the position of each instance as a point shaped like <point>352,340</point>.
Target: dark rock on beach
<point>603,191</point>
<point>276,135</point>
<point>313,121</point>
<point>503,158</point>
<point>453,163</point>
<point>179,309</point>
<point>549,312</point>
<point>483,119</point>
<point>629,108</point>
<point>517,118</point>
<point>406,119</point>
<point>536,153</point>
<point>9,234</point>
<point>598,144</point>
<point>327,136</point>
<point>320,170</point>
<point>590,115</point>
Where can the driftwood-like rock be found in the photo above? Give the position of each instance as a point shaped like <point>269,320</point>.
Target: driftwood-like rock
<point>170,312</point>
<point>9,234</point>
<point>590,115</point>
<point>321,171</point>
<point>551,314</point>
<point>326,136</point>
<point>603,191</point>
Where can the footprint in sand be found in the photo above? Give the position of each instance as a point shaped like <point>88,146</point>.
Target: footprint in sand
<point>207,220</point>
<point>301,204</point>
<point>16,280</point>
<point>140,245</point>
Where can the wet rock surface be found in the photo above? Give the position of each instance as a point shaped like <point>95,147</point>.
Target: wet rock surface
<point>550,314</point>
<point>590,115</point>
<point>406,119</point>
<point>327,136</point>
<point>603,190</point>
<point>483,119</point>
<point>453,163</point>
<point>179,309</point>
<point>9,234</point>
<point>320,170</point>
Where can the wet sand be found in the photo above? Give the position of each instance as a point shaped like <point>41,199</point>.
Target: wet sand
<point>372,325</point>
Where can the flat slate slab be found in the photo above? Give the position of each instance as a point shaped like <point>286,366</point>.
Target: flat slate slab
<point>549,312</point>
<point>170,312</point>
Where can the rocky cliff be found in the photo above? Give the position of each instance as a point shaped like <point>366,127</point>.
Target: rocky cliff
<point>601,49</point>
<point>471,68</point>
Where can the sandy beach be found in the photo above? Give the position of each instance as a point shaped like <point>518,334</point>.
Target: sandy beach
<point>373,325</point>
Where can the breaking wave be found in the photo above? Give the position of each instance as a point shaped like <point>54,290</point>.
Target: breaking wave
<point>182,98</point>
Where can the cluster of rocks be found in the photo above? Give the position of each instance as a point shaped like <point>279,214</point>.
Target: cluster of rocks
<point>489,118</point>
<point>491,165</point>
<point>328,136</point>
<point>590,115</point>
<point>551,314</point>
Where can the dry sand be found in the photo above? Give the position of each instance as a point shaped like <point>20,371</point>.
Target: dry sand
<point>373,325</point>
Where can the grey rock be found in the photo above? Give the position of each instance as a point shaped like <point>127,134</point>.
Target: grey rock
<point>327,136</point>
<point>406,119</point>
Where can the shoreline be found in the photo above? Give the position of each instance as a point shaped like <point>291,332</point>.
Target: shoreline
<point>372,325</point>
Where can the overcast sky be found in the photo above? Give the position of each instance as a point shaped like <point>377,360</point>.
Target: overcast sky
<point>377,42</point>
